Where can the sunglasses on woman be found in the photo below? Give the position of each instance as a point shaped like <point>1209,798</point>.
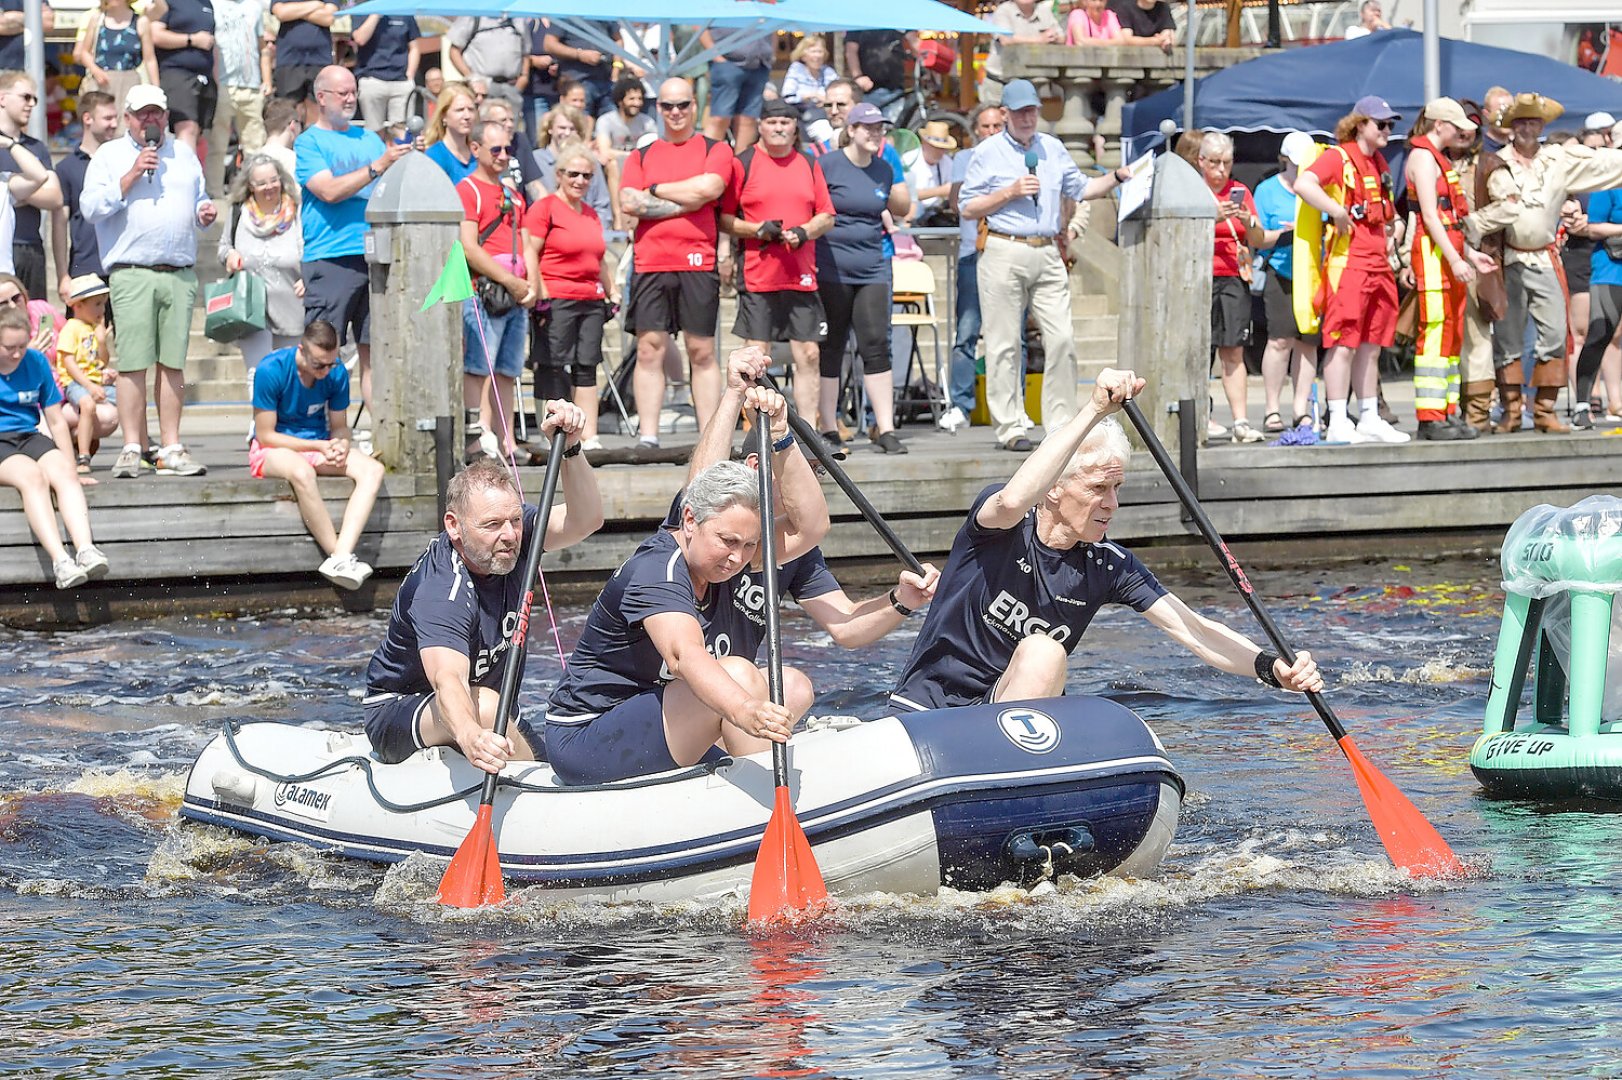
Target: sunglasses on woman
<point>574,174</point>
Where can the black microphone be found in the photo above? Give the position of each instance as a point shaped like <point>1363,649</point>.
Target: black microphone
<point>153,136</point>
<point>1031,159</point>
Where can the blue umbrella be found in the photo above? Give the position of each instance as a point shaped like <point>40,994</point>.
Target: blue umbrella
<point>759,17</point>
<point>1310,88</point>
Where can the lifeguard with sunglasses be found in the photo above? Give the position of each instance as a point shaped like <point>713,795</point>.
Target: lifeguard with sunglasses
<point>1357,300</point>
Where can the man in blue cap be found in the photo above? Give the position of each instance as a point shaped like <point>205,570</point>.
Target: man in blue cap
<point>1014,186</point>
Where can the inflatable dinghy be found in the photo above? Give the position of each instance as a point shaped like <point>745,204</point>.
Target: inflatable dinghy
<point>968,798</point>
<point>1562,571</point>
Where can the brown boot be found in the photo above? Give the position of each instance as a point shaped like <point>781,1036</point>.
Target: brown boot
<point>1544,416</point>
<point>1509,396</point>
<point>1477,401</point>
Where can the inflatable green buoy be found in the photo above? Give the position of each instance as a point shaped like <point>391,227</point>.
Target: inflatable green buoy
<point>1562,571</point>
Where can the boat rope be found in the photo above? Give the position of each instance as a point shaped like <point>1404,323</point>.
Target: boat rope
<point>365,763</point>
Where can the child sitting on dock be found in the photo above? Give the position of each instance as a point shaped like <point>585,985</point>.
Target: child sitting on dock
<point>84,367</point>
<point>301,432</point>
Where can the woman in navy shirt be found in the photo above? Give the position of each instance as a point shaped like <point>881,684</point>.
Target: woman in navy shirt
<point>853,273</point>
<point>642,693</point>
<point>37,466</point>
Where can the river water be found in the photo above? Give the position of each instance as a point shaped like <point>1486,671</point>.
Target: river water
<point>1276,939</point>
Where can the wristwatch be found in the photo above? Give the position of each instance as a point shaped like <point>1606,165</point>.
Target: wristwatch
<point>573,451</point>
<point>895,602</point>
<point>371,171</point>
<point>784,443</point>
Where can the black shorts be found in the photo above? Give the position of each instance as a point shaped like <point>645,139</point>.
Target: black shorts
<point>28,262</point>
<point>296,82</point>
<point>575,338</point>
<point>1280,306</point>
<point>672,300</point>
<point>391,722</point>
<point>192,97</point>
<point>31,443</point>
<point>335,290</point>
<point>1230,311</point>
<point>780,316</point>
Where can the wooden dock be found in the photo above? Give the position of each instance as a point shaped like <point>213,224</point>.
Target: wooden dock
<point>227,542</point>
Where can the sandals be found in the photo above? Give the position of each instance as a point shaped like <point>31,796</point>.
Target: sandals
<point>1244,433</point>
<point>83,462</point>
<point>1273,423</point>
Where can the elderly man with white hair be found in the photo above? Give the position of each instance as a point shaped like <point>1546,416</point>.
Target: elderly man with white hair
<point>1031,567</point>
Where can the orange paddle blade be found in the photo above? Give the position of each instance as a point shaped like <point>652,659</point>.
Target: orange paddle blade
<point>473,879</point>
<point>786,880</point>
<point>1412,842</point>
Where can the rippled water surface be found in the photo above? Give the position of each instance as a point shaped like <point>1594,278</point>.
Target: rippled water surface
<point>1276,940</point>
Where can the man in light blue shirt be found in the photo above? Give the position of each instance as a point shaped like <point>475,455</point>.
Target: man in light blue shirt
<point>1016,182</point>
<point>144,194</point>
<point>338,162</point>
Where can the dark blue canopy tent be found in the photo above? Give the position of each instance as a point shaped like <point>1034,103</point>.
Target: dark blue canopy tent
<point>1310,88</point>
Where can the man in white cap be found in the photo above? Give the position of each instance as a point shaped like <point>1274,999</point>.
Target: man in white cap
<point>147,200</point>
<point>1524,200</point>
<point>1442,272</point>
<point>1014,184</point>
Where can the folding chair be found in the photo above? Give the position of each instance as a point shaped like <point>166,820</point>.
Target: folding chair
<point>913,296</point>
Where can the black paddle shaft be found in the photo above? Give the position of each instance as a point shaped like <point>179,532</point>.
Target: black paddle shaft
<point>768,573</point>
<point>1236,574</point>
<point>532,565</point>
<point>813,442</point>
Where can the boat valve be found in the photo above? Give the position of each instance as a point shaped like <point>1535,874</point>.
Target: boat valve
<point>1046,846</point>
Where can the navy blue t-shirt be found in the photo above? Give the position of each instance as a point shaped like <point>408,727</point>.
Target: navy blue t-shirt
<point>616,660</point>
<point>301,43</point>
<point>84,250</point>
<point>442,603</point>
<point>189,17</point>
<point>301,411</point>
<point>11,48</point>
<point>385,53</point>
<point>29,218</point>
<point>738,627</point>
<point>852,252</point>
<point>26,391</point>
<point>1001,586</point>
<point>601,72</point>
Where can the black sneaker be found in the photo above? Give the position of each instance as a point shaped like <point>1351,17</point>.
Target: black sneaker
<point>1582,420</point>
<point>890,443</point>
<point>836,445</point>
<point>1438,431</point>
<point>1465,429</point>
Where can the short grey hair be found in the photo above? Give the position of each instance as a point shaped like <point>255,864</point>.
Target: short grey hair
<point>721,487</point>
<point>1215,144</point>
<point>1105,443</point>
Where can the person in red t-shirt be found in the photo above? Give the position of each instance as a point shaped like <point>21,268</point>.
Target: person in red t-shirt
<point>669,187</point>
<point>777,201</point>
<point>492,341</point>
<point>1351,183</point>
<point>563,250</point>
<point>1238,232</point>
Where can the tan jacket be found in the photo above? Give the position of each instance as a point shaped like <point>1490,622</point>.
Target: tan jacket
<point>1526,199</point>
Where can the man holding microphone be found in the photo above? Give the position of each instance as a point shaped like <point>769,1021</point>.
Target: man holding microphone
<point>1014,187</point>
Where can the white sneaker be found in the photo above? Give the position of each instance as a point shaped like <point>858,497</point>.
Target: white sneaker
<point>69,574</point>
<point>1378,430</point>
<point>1341,432</point>
<point>92,562</point>
<point>953,419</point>
<point>345,571</point>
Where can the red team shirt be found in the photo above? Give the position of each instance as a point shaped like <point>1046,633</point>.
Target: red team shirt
<point>685,242</point>
<point>789,189</point>
<point>1225,258</point>
<point>1367,248</point>
<point>481,202</point>
<point>572,247</point>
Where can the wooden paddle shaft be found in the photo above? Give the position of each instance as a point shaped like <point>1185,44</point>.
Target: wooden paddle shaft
<point>1235,573</point>
<point>813,442</point>
<point>532,566</point>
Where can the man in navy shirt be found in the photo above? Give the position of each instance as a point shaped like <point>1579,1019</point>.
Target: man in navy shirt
<point>73,239</point>
<point>1031,567</point>
<point>301,432</point>
<point>435,679</point>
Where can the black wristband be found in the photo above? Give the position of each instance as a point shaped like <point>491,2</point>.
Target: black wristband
<point>1264,669</point>
<point>573,451</point>
<point>779,445</point>
<point>895,602</point>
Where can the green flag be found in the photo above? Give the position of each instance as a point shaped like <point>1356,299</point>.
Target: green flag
<point>453,285</point>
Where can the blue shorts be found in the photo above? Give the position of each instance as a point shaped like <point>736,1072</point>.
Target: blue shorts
<point>627,740</point>
<point>77,394</point>
<point>736,90</point>
<point>335,289</point>
<point>391,722</point>
<point>504,335</point>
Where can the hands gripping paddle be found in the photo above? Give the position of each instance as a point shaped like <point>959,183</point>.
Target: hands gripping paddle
<point>1412,842</point>
<point>786,877</point>
<point>473,878</point>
